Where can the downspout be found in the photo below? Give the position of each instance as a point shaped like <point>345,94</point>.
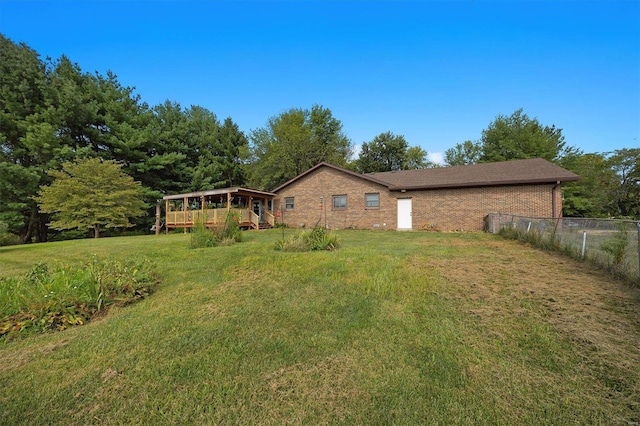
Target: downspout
<point>554,204</point>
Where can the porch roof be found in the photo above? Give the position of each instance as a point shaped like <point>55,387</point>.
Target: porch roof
<point>221,191</point>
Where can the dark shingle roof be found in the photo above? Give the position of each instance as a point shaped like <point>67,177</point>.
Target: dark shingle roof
<point>516,172</point>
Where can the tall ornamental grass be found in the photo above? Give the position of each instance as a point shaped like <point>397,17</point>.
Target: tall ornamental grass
<point>316,239</point>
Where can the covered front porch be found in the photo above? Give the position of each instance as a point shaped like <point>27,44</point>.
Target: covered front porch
<point>211,208</point>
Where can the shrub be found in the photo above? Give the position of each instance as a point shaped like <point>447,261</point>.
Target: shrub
<point>202,237</point>
<point>46,299</point>
<point>228,234</point>
<point>315,239</point>
<point>7,238</point>
<point>616,246</point>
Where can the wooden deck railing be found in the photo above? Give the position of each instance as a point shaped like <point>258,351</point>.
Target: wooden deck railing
<point>213,217</point>
<point>254,219</point>
<point>191,217</point>
<point>270,218</point>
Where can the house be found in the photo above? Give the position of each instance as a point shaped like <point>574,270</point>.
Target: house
<point>211,208</point>
<point>446,198</point>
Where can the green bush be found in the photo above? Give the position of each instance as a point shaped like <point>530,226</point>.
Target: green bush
<point>7,238</point>
<point>230,233</point>
<point>616,246</point>
<point>315,239</point>
<point>46,299</point>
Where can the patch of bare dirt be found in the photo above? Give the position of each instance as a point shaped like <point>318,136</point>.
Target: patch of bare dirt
<point>17,358</point>
<point>326,385</point>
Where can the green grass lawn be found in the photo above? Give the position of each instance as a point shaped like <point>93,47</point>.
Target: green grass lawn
<point>392,328</point>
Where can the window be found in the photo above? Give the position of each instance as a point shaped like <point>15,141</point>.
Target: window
<point>339,201</point>
<point>288,203</point>
<point>372,200</point>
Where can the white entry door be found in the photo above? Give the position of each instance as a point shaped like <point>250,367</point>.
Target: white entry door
<point>404,214</point>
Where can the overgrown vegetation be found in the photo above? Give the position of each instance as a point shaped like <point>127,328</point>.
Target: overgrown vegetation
<point>616,246</point>
<point>58,298</point>
<point>612,253</point>
<point>315,239</point>
<point>230,233</point>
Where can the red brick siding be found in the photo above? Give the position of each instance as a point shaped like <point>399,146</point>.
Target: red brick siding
<point>441,209</point>
<point>465,208</point>
<point>326,182</point>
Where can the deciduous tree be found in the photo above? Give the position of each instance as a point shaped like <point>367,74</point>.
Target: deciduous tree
<point>519,137</point>
<point>464,153</point>
<point>293,142</point>
<point>91,194</point>
<point>590,196</point>
<point>625,163</point>
<point>416,158</point>
<point>387,152</point>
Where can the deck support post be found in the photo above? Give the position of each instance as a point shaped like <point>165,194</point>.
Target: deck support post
<point>185,207</point>
<point>166,218</point>
<point>204,219</point>
<point>157,218</point>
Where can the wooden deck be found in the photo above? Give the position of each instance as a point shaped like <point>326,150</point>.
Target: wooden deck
<point>217,217</point>
<point>212,207</point>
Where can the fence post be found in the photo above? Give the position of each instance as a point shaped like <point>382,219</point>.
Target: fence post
<point>584,244</point>
<point>638,248</point>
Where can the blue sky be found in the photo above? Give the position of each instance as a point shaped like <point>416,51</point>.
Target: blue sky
<point>436,72</point>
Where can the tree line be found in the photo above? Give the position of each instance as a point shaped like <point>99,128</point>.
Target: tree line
<point>52,114</point>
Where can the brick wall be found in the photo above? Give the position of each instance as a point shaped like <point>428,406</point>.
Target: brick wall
<point>441,209</point>
<point>326,182</point>
<point>465,208</point>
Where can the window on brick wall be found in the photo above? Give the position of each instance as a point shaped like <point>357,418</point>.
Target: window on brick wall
<point>288,203</point>
<point>339,202</point>
<point>372,201</point>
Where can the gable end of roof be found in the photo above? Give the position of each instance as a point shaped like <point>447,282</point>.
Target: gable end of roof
<point>331,166</point>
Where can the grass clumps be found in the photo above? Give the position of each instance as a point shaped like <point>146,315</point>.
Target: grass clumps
<point>229,234</point>
<point>55,299</point>
<point>316,239</point>
<point>616,246</point>
<point>607,250</point>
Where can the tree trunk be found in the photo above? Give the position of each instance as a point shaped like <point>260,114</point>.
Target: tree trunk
<point>96,231</point>
<point>43,229</point>
<point>28,234</point>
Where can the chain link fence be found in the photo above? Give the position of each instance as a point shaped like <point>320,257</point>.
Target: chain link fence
<point>608,243</point>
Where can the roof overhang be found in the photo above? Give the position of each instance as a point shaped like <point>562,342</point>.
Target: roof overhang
<point>221,191</point>
<point>554,181</point>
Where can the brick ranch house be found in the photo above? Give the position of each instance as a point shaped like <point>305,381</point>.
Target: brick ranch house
<point>446,199</point>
